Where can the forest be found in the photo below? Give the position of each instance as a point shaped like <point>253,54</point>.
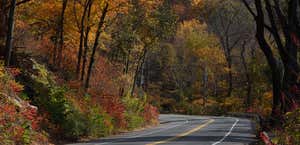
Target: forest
<point>75,70</point>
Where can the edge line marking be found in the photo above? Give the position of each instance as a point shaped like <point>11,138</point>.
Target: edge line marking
<point>228,133</point>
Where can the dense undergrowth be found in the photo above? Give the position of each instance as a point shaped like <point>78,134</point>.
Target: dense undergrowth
<point>19,121</point>
<point>62,113</point>
<point>289,134</point>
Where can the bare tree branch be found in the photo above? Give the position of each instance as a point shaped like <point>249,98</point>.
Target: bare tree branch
<point>249,8</point>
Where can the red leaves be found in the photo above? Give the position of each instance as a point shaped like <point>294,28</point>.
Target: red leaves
<point>14,121</point>
<point>30,114</point>
<point>265,138</point>
<point>150,113</point>
<point>114,107</point>
<point>7,113</point>
<point>14,71</point>
<point>250,110</point>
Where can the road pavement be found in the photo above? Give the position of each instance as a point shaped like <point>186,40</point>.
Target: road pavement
<point>187,130</point>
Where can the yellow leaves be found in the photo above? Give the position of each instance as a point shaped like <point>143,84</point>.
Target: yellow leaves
<point>195,35</point>
<point>233,101</point>
<point>227,69</point>
<point>268,95</point>
<point>151,4</point>
<point>2,72</point>
<point>197,2</point>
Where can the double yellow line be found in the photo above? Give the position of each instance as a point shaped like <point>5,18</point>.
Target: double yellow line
<point>183,134</point>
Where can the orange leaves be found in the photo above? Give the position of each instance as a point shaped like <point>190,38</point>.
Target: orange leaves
<point>16,87</point>
<point>11,83</point>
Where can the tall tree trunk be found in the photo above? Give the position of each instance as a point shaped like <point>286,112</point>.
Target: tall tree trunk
<point>215,87</point>
<point>127,62</point>
<point>230,87</point>
<point>146,76</point>
<point>55,53</point>
<point>3,27</point>
<point>82,26</point>
<point>260,35</point>
<point>125,70</point>
<point>96,43</point>
<point>9,37</point>
<point>137,70</point>
<point>286,70</point>
<point>205,86</point>
<point>247,73</point>
<point>61,32</point>
<point>86,41</point>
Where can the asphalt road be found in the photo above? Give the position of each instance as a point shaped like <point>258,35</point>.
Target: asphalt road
<point>187,130</point>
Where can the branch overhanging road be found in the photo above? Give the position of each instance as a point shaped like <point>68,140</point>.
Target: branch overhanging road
<point>188,130</point>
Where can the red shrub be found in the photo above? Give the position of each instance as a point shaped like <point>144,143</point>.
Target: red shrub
<point>114,107</point>
<point>30,114</point>
<point>150,114</point>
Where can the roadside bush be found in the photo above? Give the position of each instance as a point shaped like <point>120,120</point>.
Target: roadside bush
<point>63,113</point>
<point>134,121</point>
<point>18,127</point>
<point>74,125</point>
<point>19,122</point>
<point>134,110</point>
<point>63,119</point>
<point>114,107</point>
<point>99,123</point>
<point>290,135</point>
<point>67,115</point>
<point>150,114</point>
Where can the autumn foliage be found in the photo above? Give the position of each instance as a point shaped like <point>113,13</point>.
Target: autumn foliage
<point>19,121</point>
<point>93,68</point>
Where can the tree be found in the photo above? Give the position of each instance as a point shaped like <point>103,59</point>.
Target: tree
<point>9,37</point>
<point>283,27</point>
<point>82,28</point>
<point>156,28</point>
<point>230,22</point>
<point>247,71</point>
<point>206,57</point>
<point>96,43</point>
<point>61,30</point>
<point>5,8</point>
<point>138,34</point>
<point>86,41</point>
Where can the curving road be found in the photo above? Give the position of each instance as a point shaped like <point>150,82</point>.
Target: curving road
<point>188,130</point>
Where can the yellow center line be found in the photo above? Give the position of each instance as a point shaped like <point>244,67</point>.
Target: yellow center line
<point>183,134</point>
